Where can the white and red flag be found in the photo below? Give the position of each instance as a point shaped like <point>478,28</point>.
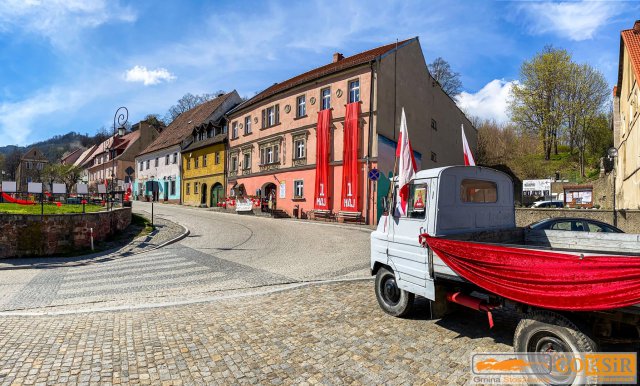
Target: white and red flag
<point>468,156</point>
<point>406,167</point>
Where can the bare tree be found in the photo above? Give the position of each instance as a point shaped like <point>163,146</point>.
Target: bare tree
<point>187,102</point>
<point>11,163</point>
<point>449,80</point>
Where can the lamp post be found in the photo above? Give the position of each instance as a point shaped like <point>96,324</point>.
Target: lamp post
<point>121,116</point>
<point>612,153</point>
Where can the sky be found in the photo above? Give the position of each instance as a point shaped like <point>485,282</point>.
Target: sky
<point>67,65</point>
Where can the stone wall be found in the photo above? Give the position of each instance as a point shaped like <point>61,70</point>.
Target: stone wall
<point>628,220</point>
<point>32,235</point>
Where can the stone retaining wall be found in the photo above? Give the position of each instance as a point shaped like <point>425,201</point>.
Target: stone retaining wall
<point>628,220</point>
<point>32,235</point>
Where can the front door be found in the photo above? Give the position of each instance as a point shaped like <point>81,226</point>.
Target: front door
<point>203,199</point>
<point>408,257</point>
<point>217,195</point>
<point>166,190</point>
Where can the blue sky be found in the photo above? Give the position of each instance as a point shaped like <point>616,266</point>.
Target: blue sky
<point>69,64</point>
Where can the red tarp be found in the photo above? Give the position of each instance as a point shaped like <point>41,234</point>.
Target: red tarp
<point>321,201</point>
<point>561,281</point>
<point>350,178</point>
<point>8,198</point>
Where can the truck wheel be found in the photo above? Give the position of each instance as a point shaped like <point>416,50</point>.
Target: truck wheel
<point>393,300</point>
<point>551,333</point>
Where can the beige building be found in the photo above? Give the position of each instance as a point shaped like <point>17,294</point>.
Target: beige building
<point>626,103</point>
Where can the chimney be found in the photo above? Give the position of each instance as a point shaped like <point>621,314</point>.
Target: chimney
<point>220,95</point>
<point>337,57</point>
<point>636,26</point>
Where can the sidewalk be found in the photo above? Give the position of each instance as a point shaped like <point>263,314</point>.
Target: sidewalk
<point>166,232</point>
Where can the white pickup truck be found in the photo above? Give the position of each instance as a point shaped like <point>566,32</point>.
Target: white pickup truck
<point>440,206</point>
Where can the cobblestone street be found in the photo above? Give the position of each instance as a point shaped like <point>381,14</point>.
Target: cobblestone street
<point>331,333</point>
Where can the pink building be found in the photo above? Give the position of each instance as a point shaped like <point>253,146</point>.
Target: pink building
<point>274,136</point>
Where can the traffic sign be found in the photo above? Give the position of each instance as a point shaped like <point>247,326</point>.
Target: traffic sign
<point>374,174</point>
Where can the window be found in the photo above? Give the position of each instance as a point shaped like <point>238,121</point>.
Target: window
<point>234,163</point>
<point>29,165</point>
<point>434,157</point>
<point>434,124</point>
<point>269,154</point>
<point>354,91</point>
<point>247,125</point>
<point>175,158</point>
<point>234,130</point>
<point>325,96</point>
<point>204,161</point>
<point>301,104</point>
<point>188,163</point>
<point>188,185</point>
<point>166,159</point>
<point>172,190</point>
<point>478,191</point>
<point>157,161</point>
<point>246,165</point>
<point>418,198</point>
<point>141,165</point>
<point>217,158</point>
<point>39,166</point>
<point>298,148</point>
<point>298,189</point>
<point>196,163</point>
<point>195,187</point>
<point>148,164</point>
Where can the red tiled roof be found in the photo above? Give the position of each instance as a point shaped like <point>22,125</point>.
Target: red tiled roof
<point>631,39</point>
<point>331,68</point>
<point>181,126</point>
<point>128,139</point>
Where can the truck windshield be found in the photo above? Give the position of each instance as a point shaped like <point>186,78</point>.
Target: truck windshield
<point>478,191</point>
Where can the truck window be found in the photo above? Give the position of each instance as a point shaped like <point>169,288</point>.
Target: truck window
<point>478,191</point>
<point>417,206</point>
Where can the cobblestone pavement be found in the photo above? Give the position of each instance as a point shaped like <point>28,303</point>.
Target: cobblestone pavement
<point>330,334</point>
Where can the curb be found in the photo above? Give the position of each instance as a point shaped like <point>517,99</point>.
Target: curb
<point>105,257</point>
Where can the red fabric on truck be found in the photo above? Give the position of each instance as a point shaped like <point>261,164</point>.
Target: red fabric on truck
<point>561,281</point>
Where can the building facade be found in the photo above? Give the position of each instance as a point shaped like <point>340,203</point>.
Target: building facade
<point>160,164</point>
<point>307,144</point>
<point>113,161</point>
<point>30,168</point>
<point>626,105</point>
<point>203,166</point>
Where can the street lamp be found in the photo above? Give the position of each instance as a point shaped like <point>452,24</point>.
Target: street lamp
<point>121,116</point>
<point>612,153</point>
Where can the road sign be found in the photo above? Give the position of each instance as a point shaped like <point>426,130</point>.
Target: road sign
<point>374,174</point>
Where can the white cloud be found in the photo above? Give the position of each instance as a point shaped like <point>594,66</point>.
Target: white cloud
<point>60,21</point>
<point>490,102</point>
<point>573,20</point>
<point>148,77</point>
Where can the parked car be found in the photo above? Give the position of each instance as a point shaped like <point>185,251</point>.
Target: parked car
<point>548,204</point>
<point>574,224</point>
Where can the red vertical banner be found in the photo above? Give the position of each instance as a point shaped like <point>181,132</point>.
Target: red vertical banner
<point>350,175</point>
<point>321,201</point>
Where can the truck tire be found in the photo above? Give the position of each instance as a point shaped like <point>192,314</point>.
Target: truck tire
<point>549,332</point>
<point>393,300</point>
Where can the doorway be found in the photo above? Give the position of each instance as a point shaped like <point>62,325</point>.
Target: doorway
<point>166,190</point>
<point>203,197</point>
<point>217,194</point>
<point>269,200</point>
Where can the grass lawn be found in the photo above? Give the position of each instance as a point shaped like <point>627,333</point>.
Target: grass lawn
<point>48,208</point>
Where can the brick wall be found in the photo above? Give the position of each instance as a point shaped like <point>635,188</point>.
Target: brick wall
<point>628,220</point>
<point>32,235</point>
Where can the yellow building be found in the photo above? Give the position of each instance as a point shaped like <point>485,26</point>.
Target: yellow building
<point>203,166</point>
<point>626,116</point>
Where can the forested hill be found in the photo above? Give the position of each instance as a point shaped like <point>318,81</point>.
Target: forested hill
<point>56,146</point>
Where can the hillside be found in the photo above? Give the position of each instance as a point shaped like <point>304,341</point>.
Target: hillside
<point>56,146</point>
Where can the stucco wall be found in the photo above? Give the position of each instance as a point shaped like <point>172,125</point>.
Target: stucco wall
<point>32,235</point>
<point>162,173</point>
<point>628,221</point>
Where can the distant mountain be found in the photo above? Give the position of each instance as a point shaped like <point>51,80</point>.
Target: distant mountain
<point>56,146</point>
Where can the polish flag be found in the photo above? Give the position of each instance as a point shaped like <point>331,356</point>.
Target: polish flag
<point>468,156</point>
<point>406,167</point>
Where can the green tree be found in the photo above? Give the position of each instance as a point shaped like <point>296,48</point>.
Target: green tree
<point>65,174</point>
<point>536,102</point>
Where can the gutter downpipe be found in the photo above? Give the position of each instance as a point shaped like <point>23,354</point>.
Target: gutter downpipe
<point>368,191</point>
